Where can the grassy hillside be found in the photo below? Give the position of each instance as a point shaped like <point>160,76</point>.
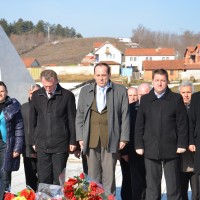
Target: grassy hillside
<point>68,51</point>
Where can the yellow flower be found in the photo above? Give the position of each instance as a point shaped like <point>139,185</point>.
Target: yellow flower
<point>19,198</point>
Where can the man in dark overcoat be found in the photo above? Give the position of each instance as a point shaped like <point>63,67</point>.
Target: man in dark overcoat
<point>194,131</point>
<point>188,176</point>
<point>29,155</point>
<point>136,162</point>
<point>161,134</point>
<point>53,135</point>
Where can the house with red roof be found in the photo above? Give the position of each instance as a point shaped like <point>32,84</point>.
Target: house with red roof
<point>173,67</point>
<point>186,69</point>
<point>33,66</point>
<point>135,56</point>
<point>30,62</point>
<point>88,60</point>
<point>192,63</point>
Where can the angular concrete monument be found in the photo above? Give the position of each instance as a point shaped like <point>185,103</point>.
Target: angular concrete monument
<point>13,71</point>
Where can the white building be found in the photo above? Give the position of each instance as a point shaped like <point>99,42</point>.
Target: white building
<point>135,56</point>
<point>108,52</point>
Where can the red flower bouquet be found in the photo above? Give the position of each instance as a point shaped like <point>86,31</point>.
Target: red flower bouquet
<point>25,194</point>
<point>80,188</point>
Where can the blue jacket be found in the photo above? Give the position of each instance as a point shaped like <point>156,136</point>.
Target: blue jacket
<point>15,134</point>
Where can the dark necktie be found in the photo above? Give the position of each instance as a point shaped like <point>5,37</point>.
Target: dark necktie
<point>50,95</point>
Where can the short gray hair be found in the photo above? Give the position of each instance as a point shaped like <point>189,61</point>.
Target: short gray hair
<point>186,84</point>
<point>49,75</point>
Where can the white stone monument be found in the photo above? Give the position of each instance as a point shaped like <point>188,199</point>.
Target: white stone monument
<point>13,71</point>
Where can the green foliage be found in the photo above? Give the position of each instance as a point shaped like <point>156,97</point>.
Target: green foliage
<point>5,26</point>
<point>21,27</point>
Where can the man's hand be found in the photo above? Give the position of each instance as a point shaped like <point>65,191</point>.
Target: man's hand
<point>180,150</point>
<point>81,144</point>
<point>15,154</point>
<point>140,151</point>
<point>192,148</point>
<point>122,145</point>
<point>72,147</point>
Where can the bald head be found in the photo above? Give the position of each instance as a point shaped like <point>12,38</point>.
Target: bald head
<point>143,88</point>
<point>132,94</point>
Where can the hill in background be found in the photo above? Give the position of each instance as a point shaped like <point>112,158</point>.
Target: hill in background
<point>68,51</point>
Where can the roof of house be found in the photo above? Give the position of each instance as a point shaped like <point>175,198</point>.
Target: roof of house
<point>97,44</point>
<point>197,46</point>
<point>107,42</point>
<point>88,59</point>
<point>192,66</point>
<point>150,52</point>
<point>163,64</point>
<point>29,61</point>
<point>190,49</point>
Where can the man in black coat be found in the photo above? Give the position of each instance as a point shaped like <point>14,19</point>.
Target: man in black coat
<point>53,127</point>
<point>187,159</point>
<point>136,162</point>
<point>161,134</point>
<point>194,131</point>
<point>126,188</point>
<point>30,160</point>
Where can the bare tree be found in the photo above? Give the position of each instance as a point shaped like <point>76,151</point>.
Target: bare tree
<point>154,39</point>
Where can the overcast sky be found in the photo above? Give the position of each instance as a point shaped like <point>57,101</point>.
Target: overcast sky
<point>111,18</point>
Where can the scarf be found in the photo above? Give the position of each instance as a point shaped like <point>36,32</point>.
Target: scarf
<point>3,127</point>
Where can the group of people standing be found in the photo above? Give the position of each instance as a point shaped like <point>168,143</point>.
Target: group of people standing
<point>145,128</point>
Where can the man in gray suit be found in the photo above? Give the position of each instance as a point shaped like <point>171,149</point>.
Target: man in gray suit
<point>102,125</point>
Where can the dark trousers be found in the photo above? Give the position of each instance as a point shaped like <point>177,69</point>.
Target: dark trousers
<point>126,192</point>
<point>5,177</point>
<point>192,178</point>
<point>30,168</point>
<point>50,166</point>
<point>84,163</point>
<point>138,173</point>
<point>154,169</point>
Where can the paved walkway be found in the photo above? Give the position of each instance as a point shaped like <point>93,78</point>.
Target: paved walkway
<point>74,168</point>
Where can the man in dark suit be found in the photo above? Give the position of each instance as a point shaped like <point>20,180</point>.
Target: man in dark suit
<point>161,134</point>
<point>187,159</point>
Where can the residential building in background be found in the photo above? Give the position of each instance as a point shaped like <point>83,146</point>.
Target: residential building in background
<point>33,66</point>
<point>135,56</point>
